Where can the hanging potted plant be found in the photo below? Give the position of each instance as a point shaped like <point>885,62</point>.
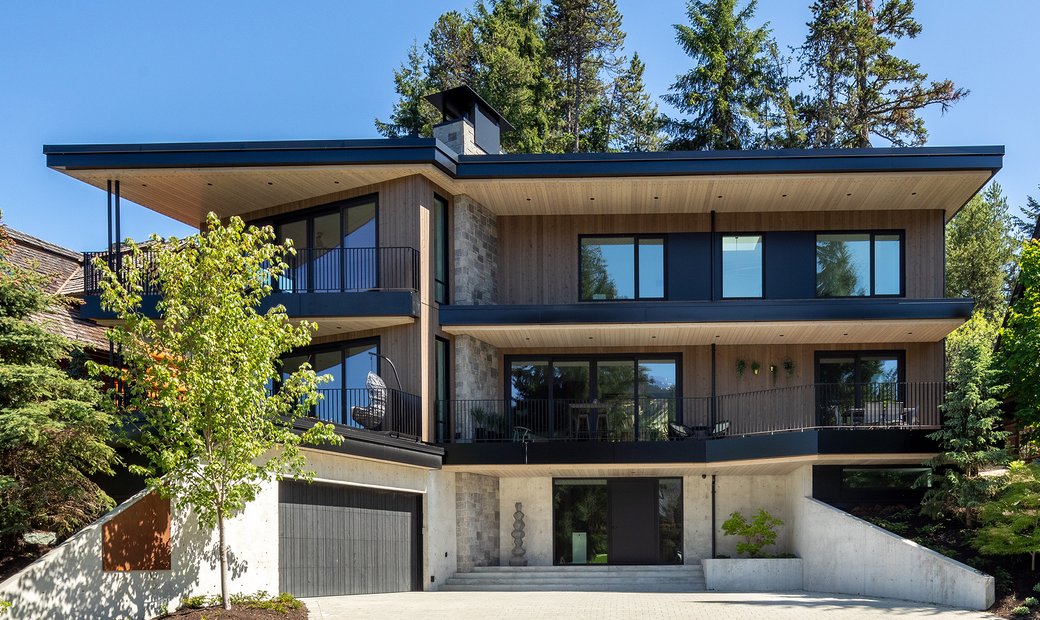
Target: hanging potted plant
<point>741,367</point>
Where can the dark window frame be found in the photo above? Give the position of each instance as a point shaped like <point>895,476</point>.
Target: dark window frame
<point>447,253</point>
<point>873,235</point>
<point>899,354</point>
<point>441,419</point>
<point>507,363</point>
<point>341,345</point>
<point>722,270</point>
<point>636,237</point>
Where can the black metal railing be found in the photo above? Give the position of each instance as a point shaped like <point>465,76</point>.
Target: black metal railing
<point>328,270</point>
<point>862,405</point>
<point>399,414</point>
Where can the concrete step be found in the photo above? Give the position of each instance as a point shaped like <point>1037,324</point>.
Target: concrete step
<point>564,587</point>
<point>579,578</point>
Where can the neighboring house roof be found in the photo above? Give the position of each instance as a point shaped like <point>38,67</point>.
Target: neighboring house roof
<point>64,267</point>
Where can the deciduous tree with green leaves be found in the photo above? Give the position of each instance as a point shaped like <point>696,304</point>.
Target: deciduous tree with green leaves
<point>1010,522</point>
<point>980,252</point>
<point>1020,344</point>
<point>971,438</point>
<point>725,91</point>
<point>54,428</point>
<point>196,381</point>
<point>757,534</point>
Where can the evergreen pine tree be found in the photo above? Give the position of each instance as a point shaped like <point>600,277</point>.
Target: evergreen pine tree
<point>861,88</point>
<point>1027,224</point>
<point>971,437</point>
<point>980,252</point>
<point>54,429</point>
<point>583,37</point>
<point>634,123</point>
<point>412,114</point>
<point>451,52</point>
<point>725,91</point>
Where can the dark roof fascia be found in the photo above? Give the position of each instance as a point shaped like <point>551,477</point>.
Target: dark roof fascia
<point>242,154</point>
<point>778,161</point>
<point>707,312</point>
<point>430,150</point>
<point>379,446</point>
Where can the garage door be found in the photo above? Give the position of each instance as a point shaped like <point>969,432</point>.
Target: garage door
<point>346,540</point>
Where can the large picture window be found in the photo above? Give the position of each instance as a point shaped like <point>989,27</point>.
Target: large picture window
<point>621,267</point>
<point>741,266</point>
<point>859,264</point>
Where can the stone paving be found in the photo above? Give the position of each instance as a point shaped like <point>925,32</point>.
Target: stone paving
<point>604,605</point>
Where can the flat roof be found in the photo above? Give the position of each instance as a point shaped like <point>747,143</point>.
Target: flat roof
<point>432,151</point>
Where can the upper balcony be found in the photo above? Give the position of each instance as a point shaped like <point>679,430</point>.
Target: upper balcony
<point>803,420</point>
<point>346,288</point>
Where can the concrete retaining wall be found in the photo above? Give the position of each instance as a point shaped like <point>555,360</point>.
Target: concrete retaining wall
<point>844,554</point>
<point>753,575</point>
<point>69,583</point>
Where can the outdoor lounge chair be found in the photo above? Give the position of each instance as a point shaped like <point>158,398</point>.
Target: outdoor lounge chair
<point>372,416</point>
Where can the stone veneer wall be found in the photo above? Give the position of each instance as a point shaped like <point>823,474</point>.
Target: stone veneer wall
<point>459,136</point>
<point>476,253</point>
<point>476,369</point>
<point>477,519</point>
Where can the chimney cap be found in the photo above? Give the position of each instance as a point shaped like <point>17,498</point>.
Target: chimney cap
<point>459,101</point>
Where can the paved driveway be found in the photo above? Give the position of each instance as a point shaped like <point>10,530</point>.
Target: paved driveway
<point>603,605</point>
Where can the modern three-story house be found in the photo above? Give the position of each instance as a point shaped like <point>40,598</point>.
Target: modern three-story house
<point>620,348</point>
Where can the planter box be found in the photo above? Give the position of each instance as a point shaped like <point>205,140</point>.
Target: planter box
<point>753,574</point>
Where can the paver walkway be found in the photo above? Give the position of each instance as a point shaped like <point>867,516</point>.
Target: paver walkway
<point>604,605</point>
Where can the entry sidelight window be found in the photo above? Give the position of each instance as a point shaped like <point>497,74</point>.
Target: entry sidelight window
<point>859,264</point>
<point>621,267</point>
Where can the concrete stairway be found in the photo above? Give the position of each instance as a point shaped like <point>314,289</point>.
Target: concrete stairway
<point>579,578</point>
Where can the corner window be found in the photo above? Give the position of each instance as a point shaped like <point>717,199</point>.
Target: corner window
<point>624,267</point>
<point>741,266</point>
<point>859,264</point>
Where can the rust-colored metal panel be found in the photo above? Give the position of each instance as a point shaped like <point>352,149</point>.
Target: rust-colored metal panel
<point>139,537</point>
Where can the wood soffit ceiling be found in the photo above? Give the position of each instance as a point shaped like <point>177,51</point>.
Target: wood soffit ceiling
<point>187,194</point>
<point>689,334</point>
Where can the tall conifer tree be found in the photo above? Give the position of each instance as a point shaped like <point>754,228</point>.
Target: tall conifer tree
<point>724,93</point>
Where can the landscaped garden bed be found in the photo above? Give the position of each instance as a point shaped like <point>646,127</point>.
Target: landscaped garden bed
<point>243,607</point>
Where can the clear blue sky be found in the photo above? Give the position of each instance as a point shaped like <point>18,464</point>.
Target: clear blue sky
<point>131,71</point>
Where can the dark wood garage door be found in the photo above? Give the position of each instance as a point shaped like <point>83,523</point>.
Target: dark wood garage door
<point>337,540</point>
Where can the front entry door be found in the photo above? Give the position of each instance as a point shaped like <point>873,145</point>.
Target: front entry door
<point>633,521</point>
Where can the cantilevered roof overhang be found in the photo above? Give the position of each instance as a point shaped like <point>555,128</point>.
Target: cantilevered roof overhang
<point>812,321</point>
<point>186,180</point>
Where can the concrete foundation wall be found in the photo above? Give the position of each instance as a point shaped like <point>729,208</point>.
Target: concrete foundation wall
<point>536,496</point>
<point>440,531</point>
<point>696,519</point>
<point>477,520</point>
<point>748,494</point>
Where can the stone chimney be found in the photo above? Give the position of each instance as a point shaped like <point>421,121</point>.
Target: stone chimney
<point>470,126</point>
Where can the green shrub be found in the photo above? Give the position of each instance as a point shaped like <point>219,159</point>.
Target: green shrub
<point>5,606</point>
<point>1020,611</point>
<point>283,603</point>
<point>1036,588</point>
<point>758,533</point>
<point>196,602</point>
<point>1031,602</point>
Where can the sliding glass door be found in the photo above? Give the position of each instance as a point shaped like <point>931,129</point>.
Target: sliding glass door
<point>347,365</point>
<point>859,387</point>
<point>575,397</point>
<point>335,249</point>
